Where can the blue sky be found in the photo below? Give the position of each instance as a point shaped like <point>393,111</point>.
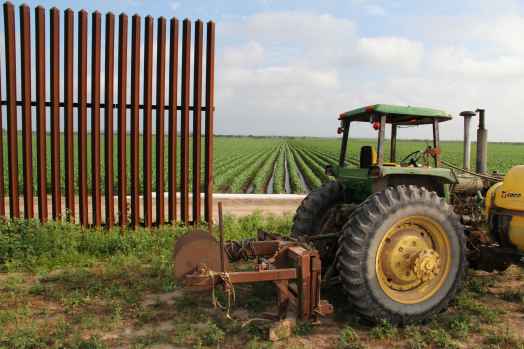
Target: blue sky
<point>289,67</point>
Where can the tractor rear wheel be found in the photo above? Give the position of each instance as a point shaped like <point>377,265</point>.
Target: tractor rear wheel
<point>402,255</point>
<point>322,212</point>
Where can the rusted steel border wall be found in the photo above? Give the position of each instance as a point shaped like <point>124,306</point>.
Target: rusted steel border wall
<point>81,111</point>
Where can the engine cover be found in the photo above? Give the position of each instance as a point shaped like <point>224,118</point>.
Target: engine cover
<point>510,194</point>
<point>505,208</point>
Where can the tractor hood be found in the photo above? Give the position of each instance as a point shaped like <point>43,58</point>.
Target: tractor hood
<point>443,175</point>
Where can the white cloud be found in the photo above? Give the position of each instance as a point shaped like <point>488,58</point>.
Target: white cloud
<point>459,62</point>
<point>374,10</point>
<point>250,54</point>
<point>292,73</point>
<point>503,31</point>
<point>391,52</point>
<point>302,28</point>
<point>174,5</point>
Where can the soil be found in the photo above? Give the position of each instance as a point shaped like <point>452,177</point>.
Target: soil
<point>234,204</point>
<point>493,319</point>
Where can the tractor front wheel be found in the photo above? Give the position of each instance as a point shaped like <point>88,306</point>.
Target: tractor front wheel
<point>401,256</point>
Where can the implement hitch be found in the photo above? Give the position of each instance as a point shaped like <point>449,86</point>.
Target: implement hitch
<point>295,269</point>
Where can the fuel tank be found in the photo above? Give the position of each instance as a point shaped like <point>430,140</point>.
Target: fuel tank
<point>505,208</point>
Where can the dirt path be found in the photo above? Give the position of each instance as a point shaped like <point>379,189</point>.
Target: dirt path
<point>239,205</point>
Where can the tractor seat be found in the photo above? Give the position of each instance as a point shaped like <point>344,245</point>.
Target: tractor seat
<point>368,156</point>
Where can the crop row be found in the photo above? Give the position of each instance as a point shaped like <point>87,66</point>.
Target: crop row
<point>224,181</point>
<point>238,159</point>
<point>313,164</point>
<point>259,177</point>
<point>242,181</point>
<point>279,174</point>
<point>309,175</point>
<point>295,182</point>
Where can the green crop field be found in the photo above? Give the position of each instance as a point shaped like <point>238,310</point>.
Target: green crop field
<point>274,164</point>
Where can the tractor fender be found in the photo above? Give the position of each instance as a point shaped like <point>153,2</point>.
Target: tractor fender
<point>437,183</point>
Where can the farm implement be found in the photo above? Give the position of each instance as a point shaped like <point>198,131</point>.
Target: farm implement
<point>397,235</point>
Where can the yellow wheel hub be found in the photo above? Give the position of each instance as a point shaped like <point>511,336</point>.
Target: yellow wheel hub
<point>413,259</point>
<point>427,265</point>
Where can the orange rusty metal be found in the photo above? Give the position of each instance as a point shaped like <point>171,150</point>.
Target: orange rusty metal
<point>54,68</point>
<point>173,128</point>
<point>96,199</point>
<point>160,112</point>
<point>109,111</point>
<point>135,123</point>
<point>147,123</point>
<point>27,133</point>
<point>68,112</point>
<point>122,119</point>
<point>197,117</point>
<point>209,132</point>
<point>41,133</point>
<point>91,178</point>
<point>184,123</point>
<point>12,118</point>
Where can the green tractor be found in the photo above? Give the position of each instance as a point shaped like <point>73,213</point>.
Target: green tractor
<point>397,232</point>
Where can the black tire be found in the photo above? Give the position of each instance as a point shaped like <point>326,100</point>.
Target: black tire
<point>358,246</point>
<point>314,208</point>
<point>316,215</point>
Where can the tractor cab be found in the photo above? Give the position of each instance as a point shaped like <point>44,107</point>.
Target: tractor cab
<point>378,116</point>
<point>372,170</point>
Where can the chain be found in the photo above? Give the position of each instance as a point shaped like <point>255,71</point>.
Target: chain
<point>229,289</point>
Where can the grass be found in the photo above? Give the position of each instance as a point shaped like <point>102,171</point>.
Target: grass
<point>62,286</point>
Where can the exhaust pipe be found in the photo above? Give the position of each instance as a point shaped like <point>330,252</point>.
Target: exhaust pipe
<point>482,143</point>
<point>467,140</point>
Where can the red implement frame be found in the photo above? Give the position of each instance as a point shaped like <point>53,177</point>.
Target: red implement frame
<point>294,269</point>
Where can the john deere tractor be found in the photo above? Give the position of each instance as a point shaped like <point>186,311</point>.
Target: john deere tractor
<point>398,233</point>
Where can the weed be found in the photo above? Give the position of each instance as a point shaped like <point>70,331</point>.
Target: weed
<point>415,337</point>
<point>93,342</point>
<point>349,339</point>
<point>256,330</point>
<point>478,285</point>
<point>459,326</point>
<point>151,338</point>
<point>384,331</point>
<point>303,328</point>
<point>13,283</point>
<point>503,340</point>
<point>23,337</point>
<point>440,339</point>
<point>513,296</point>
<point>211,334</point>
<point>434,337</point>
<point>466,303</point>
<point>257,343</point>
<point>37,289</point>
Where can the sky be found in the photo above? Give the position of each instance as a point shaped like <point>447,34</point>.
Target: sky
<point>291,67</point>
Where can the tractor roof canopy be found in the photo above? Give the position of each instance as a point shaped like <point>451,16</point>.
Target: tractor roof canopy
<point>396,114</point>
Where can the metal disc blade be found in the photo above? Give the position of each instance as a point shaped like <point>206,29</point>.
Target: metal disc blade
<point>195,248</point>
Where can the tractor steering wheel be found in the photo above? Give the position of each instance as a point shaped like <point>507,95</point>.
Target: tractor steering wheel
<point>412,158</point>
